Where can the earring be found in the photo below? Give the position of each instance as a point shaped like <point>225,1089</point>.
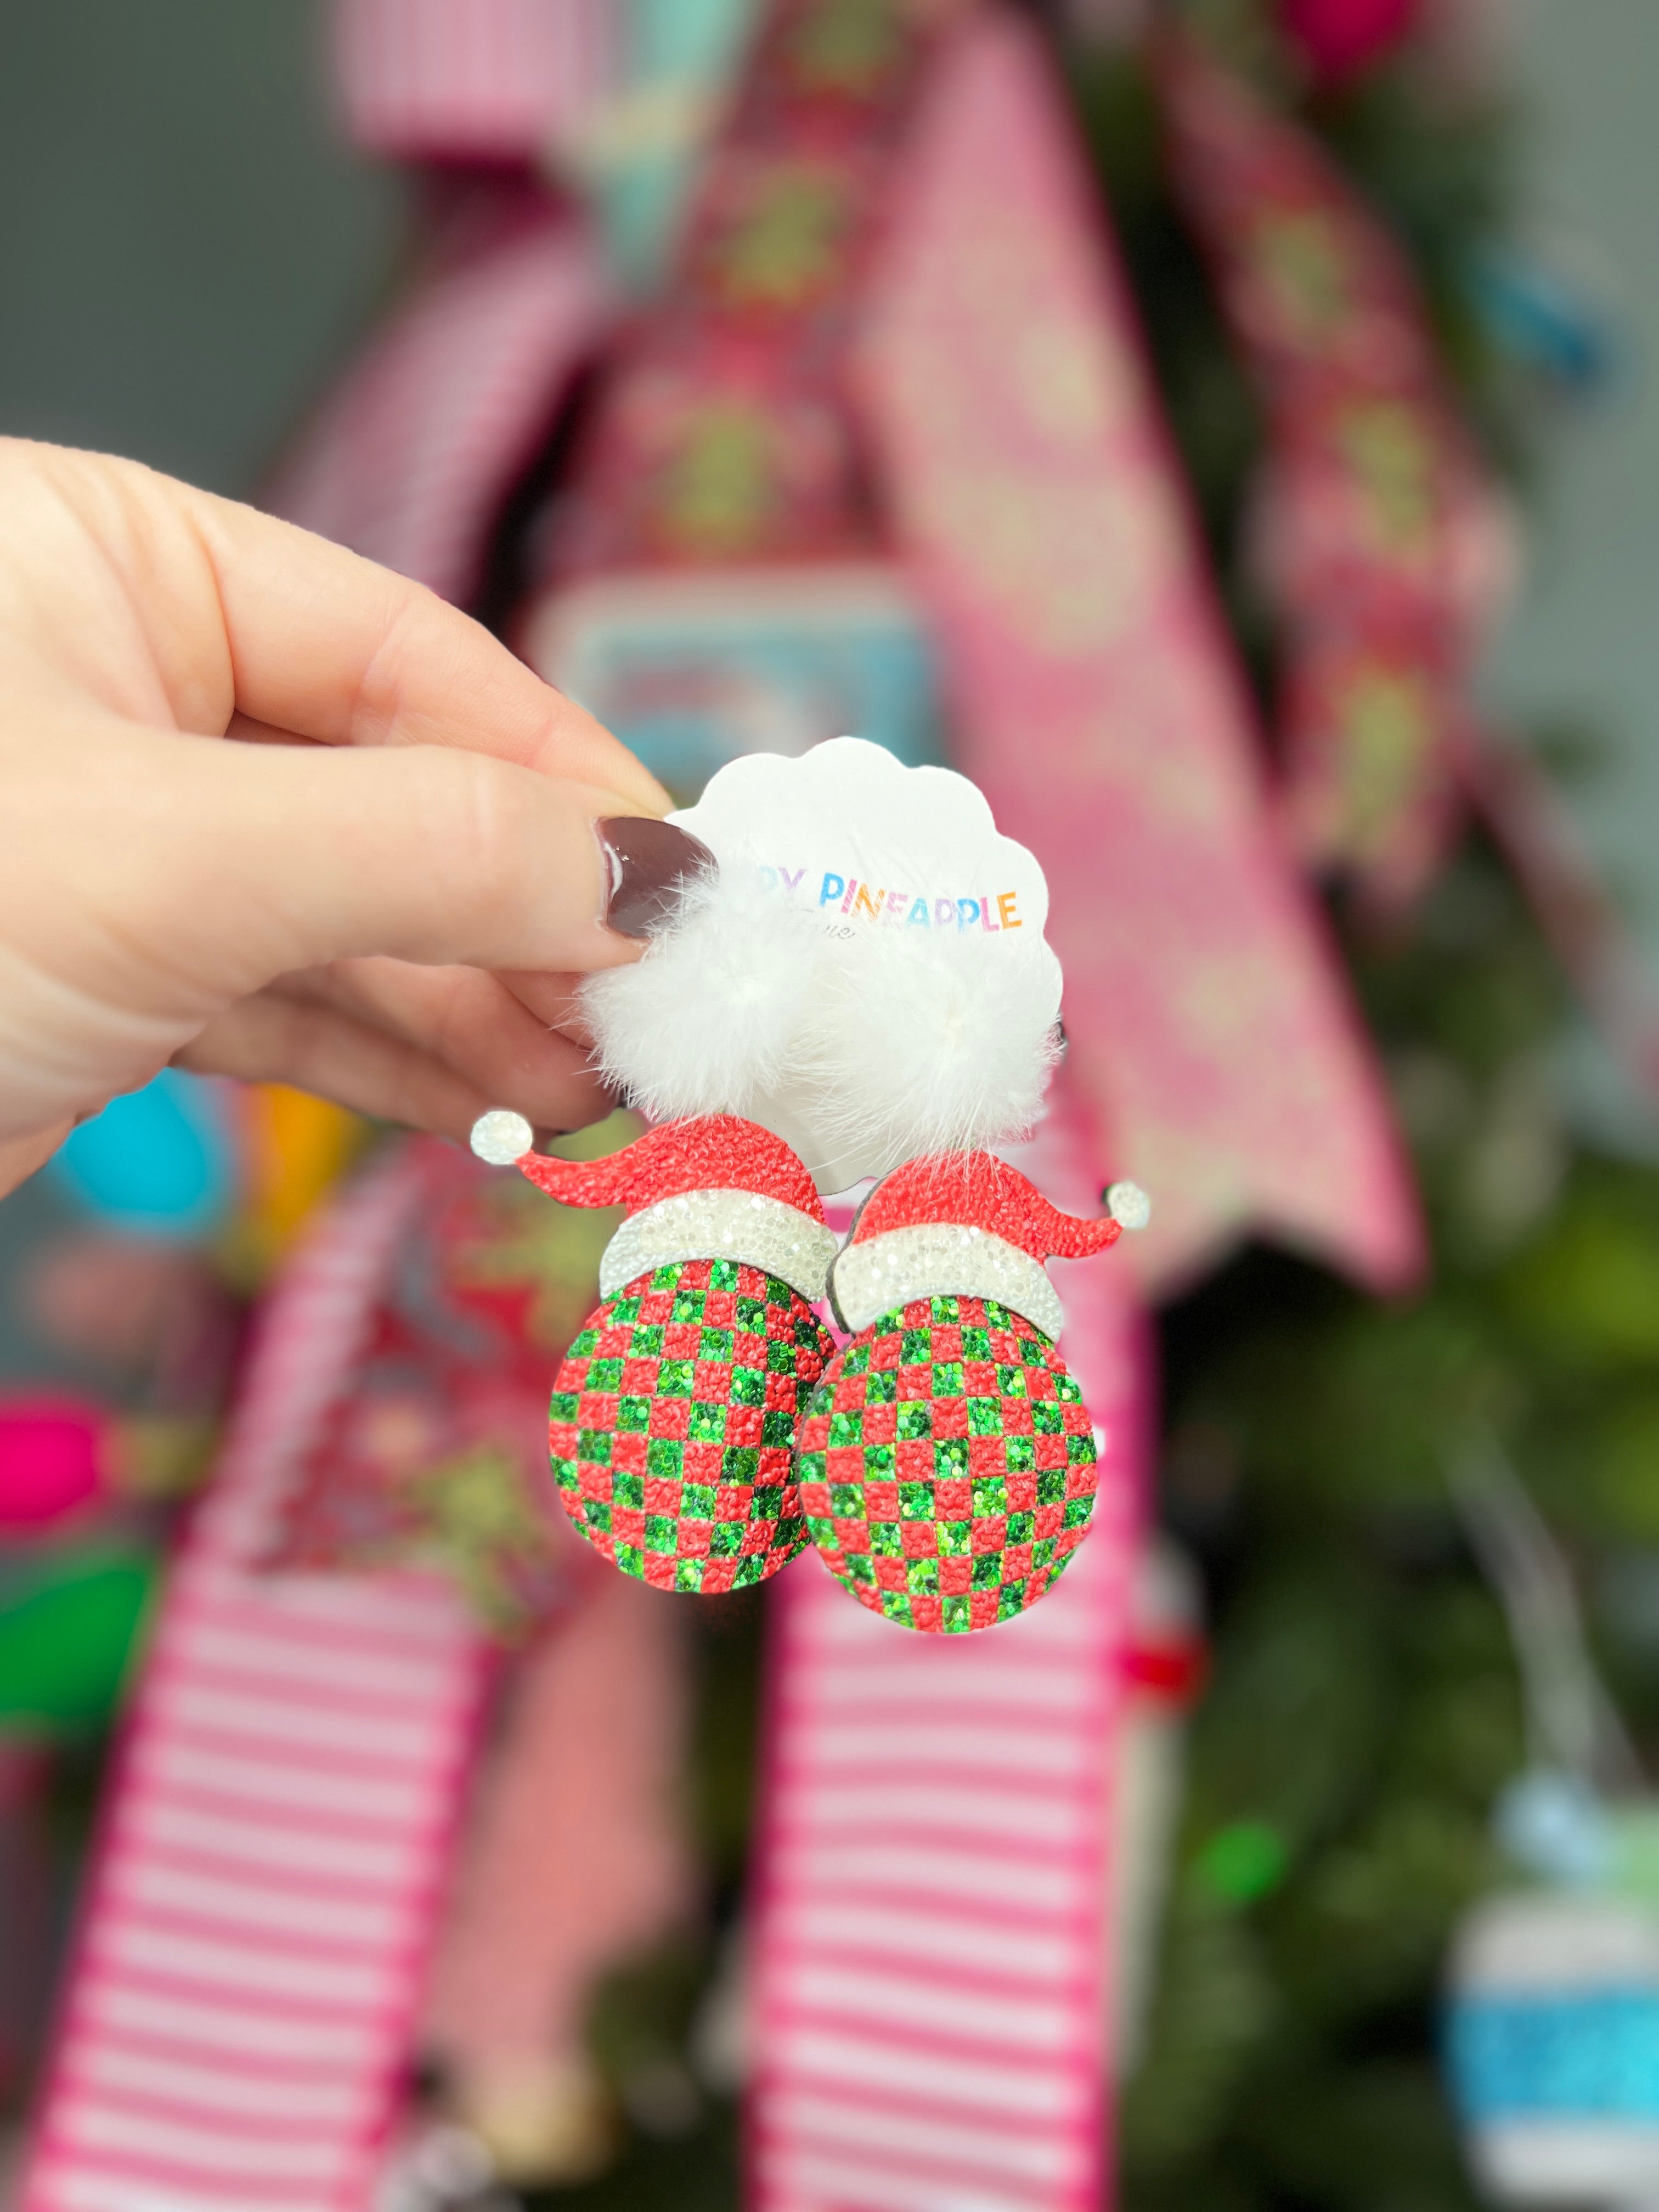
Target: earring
<point>946,1459</point>
<point>671,1428</point>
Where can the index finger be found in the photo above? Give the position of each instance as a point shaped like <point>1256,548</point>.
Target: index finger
<point>334,648</point>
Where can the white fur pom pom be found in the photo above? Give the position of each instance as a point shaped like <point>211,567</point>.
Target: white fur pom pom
<point>702,1023</point>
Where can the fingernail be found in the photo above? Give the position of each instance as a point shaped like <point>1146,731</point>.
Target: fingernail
<point>648,864</point>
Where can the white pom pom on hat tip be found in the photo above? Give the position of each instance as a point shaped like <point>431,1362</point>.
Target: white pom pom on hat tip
<point>1129,1204</point>
<point>501,1138</point>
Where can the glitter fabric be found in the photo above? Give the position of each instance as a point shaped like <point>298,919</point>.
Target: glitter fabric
<point>947,1464</point>
<point>673,1420</point>
<point>871,1278</point>
<point>727,1224</point>
<point>714,1151</point>
<point>977,1187</point>
<point>672,1426</point>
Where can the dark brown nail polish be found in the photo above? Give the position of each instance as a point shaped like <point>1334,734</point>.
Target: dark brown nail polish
<point>648,864</point>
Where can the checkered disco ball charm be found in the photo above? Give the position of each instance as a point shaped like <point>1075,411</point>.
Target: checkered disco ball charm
<point>947,1464</point>
<point>673,1420</point>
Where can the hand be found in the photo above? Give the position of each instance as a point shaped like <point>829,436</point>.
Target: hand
<point>269,810</point>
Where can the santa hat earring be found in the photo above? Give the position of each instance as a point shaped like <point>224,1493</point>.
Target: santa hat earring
<point>672,1425</point>
<point>946,1459</point>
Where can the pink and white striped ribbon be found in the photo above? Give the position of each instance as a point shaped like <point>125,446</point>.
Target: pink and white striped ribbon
<point>411,457</point>
<point>932,1962</point>
<point>253,1945</point>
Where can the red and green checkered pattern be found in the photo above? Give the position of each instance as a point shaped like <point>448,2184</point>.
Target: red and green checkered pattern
<point>947,1464</point>
<point>672,1425</point>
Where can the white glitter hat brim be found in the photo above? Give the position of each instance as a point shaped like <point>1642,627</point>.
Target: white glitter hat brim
<point>937,1258</point>
<point>722,1224</point>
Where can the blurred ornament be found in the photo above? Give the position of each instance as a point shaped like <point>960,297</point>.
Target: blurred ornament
<point>69,1622</point>
<point>159,1162</point>
<point>294,1149</point>
<point>55,1454</point>
<point>1342,39</point>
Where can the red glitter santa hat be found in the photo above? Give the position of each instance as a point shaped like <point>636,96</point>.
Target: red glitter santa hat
<point>716,1152</point>
<point>967,1223</point>
<point>714,1188</point>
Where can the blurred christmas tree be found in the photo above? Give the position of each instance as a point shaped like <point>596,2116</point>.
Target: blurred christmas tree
<point>1364,1709</point>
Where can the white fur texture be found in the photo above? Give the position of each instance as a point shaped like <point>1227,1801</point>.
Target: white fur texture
<point>860,1047</point>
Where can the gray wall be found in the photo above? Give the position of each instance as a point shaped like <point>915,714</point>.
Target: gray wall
<point>186,251</point>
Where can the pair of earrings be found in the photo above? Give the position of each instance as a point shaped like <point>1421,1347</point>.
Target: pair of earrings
<point>704,1427</point>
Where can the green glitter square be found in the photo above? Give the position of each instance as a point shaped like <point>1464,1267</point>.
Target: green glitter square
<point>859,1567</point>
<point>1077,1512</point>
<point>779,1358</point>
<point>1080,1451</point>
<point>647,1341</point>
<point>812,1466</point>
<point>688,1574</point>
<point>725,1540</point>
<point>1051,1485</point>
<point>956,1539</point>
<point>767,1501</point>
<point>748,1386</point>
<point>740,1463</point>
<point>950,1457</point>
<point>878,1460</point>
<point>885,1542</point>
<point>947,1379</point>
<point>1047,1420</point>
<point>604,1374</point>
<point>687,1306</point>
<point>915,1346</point>
<point>957,1613</point>
<point>1043,1552</point>
<point>984,1418</point>
<point>567,1474</point>
<point>990,1495</point>
<point>778,1428</point>
<point>975,1342</point>
<point>1021,1527</point>
<point>881,1388</point>
<point>585,1345</point>
<point>633,1415</point>
<point>896,1607</point>
<point>751,1317</point>
<point>564,1405</point>
<point>987,1571</point>
<point>594,1446</point>
<point>847,1428</point>
<point>1031,1349</point>
<point>915,1501</point>
<point>855,1360</point>
<point>631,1560</point>
<point>697,1501</point>
<point>846,1499</point>
<point>997,1314</point>
<point>707,1423</point>
<point>662,1533</point>
<point>597,1514</point>
<point>626,1309</point>
<point>715,1343</point>
<point>915,1420</point>
<point>1011,1600</point>
<point>1020,1453</point>
<point>628,1490</point>
<point>947,1309</point>
<point>922,1577</point>
<point>665,1456</point>
<point>723,1274</point>
<point>748,1571</point>
<point>675,1378</point>
<point>778,1293</point>
<point>1011,1380</point>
